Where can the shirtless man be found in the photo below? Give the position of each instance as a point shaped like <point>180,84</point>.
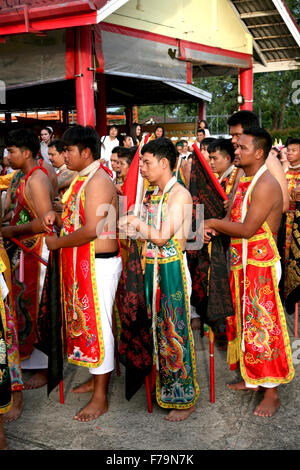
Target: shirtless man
<point>32,201</point>
<point>88,242</point>
<point>242,120</point>
<point>165,224</point>
<point>252,225</point>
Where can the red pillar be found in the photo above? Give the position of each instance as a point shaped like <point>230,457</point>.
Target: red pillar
<point>101,121</point>
<point>201,111</point>
<point>129,117</point>
<point>246,88</point>
<point>84,77</point>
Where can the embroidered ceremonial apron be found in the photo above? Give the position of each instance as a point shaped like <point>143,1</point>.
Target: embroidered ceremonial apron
<point>293,179</point>
<point>79,290</point>
<point>11,327</point>
<point>26,293</point>
<point>5,382</point>
<point>264,347</point>
<point>174,354</point>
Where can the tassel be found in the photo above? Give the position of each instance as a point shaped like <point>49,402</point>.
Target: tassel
<point>21,267</point>
<point>233,354</point>
<point>143,257</point>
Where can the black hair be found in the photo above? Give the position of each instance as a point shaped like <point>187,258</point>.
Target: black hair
<point>200,130</point>
<point>161,148</point>
<point>113,126</point>
<point>224,146</point>
<point>261,139</point>
<point>49,129</point>
<point>207,141</point>
<point>24,139</point>
<point>160,127</point>
<point>180,142</point>
<point>58,144</point>
<point>294,141</point>
<point>126,153</point>
<point>245,118</point>
<point>117,149</point>
<point>83,137</point>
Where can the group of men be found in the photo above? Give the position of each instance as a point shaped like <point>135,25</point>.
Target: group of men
<point>82,222</point>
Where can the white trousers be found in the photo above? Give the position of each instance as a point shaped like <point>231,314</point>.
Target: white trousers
<point>108,272</point>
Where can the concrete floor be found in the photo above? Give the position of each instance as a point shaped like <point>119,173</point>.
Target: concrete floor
<point>229,423</point>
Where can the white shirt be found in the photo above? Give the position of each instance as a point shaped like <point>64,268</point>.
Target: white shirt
<point>106,148</point>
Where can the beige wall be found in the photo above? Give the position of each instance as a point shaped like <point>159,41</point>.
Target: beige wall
<point>210,22</point>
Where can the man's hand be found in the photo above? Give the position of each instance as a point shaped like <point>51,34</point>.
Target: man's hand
<point>119,189</point>
<point>226,204</point>
<point>51,242</point>
<point>209,231</point>
<point>295,194</point>
<point>129,224</point>
<point>48,221</point>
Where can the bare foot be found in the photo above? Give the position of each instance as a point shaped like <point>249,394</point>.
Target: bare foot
<point>16,410</point>
<point>241,386</point>
<point>196,324</point>
<point>269,404</point>
<point>38,380</point>
<point>180,415</point>
<point>3,443</point>
<point>92,410</point>
<point>86,387</point>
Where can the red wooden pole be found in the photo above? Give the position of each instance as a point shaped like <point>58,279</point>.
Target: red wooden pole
<point>148,391</point>
<point>27,250</point>
<point>61,392</point>
<point>84,77</point>
<point>212,365</point>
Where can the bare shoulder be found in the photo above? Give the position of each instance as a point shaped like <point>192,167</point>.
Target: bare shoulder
<point>37,178</point>
<point>101,184</point>
<point>268,185</point>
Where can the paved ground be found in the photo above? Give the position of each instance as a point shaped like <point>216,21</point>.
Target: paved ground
<point>228,424</point>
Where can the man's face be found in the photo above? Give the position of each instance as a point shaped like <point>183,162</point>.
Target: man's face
<point>205,152</point>
<point>123,167</point>
<point>15,157</point>
<point>115,162</point>
<point>151,167</point>
<point>293,154</point>
<point>219,163</point>
<point>235,132</point>
<point>200,136</point>
<point>245,152</point>
<point>179,149</point>
<point>127,142</point>
<point>73,158</point>
<point>56,158</point>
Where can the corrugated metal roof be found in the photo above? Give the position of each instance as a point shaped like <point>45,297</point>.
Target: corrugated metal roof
<point>275,33</point>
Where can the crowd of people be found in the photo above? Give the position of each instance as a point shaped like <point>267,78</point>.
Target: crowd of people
<point>63,196</point>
